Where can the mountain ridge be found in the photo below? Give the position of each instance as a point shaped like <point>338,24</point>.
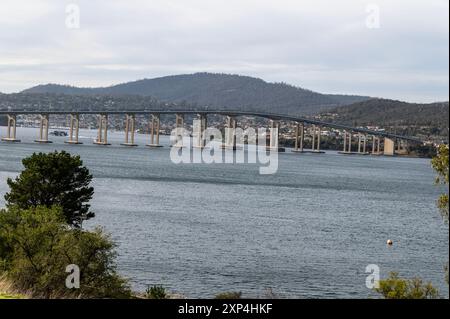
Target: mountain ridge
<point>225,91</point>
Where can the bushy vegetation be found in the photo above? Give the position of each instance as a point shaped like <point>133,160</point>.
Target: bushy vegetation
<point>229,295</point>
<point>398,288</point>
<point>440,165</point>
<point>38,245</point>
<point>7,290</point>
<point>156,292</point>
<point>40,233</point>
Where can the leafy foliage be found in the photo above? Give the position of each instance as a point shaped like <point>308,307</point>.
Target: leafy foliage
<point>53,179</point>
<point>229,295</point>
<point>440,164</point>
<point>397,288</point>
<point>156,292</point>
<point>37,245</point>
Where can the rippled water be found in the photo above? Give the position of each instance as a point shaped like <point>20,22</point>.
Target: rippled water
<point>308,231</point>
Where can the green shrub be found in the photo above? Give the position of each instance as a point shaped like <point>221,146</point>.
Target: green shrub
<point>440,165</point>
<point>156,292</point>
<point>397,288</point>
<point>229,295</point>
<point>37,245</point>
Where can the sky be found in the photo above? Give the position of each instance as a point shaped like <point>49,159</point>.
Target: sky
<point>395,49</point>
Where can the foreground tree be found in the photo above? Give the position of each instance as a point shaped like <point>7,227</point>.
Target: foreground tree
<point>38,245</point>
<point>53,179</point>
<point>440,164</point>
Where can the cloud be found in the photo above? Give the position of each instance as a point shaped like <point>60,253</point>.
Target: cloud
<point>320,45</point>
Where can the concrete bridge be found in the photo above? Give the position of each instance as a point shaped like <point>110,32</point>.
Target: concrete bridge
<point>392,142</point>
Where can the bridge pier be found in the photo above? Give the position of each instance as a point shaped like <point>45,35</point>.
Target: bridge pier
<point>74,126</point>
<point>179,130</point>
<point>401,148</point>
<point>362,142</point>
<point>315,147</point>
<point>199,129</point>
<point>299,137</point>
<point>376,145</point>
<point>130,121</point>
<point>43,129</point>
<point>230,133</point>
<point>274,132</point>
<point>388,147</point>
<point>11,131</point>
<point>102,135</point>
<point>347,144</point>
<point>154,131</point>
<point>359,142</point>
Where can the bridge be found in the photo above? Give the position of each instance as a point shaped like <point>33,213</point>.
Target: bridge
<point>362,134</point>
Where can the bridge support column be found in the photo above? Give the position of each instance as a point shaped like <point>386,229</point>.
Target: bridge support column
<point>200,126</point>
<point>274,132</point>
<point>315,148</point>
<point>230,133</point>
<point>154,131</point>
<point>349,150</point>
<point>313,142</point>
<point>365,144</point>
<point>362,144</point>
<point>11,131</point>
<point>43,129</point>
<point>376,146</point>
<point>373,144</point>
<point>179,130</point>
<point>359,142</point>
<point>102,135</point>
<point>401,148</point>
<point>347,143</point>
<point>388,147</point>
<point>74,129</point>
<point>299,137</point>
<point>319,134</point>
<point>130,121</point>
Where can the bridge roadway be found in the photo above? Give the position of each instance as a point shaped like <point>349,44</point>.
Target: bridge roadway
<point>270,116</point>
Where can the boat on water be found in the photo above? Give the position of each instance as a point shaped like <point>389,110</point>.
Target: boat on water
<point>59,133</point>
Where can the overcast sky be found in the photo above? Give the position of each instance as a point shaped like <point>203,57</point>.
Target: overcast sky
<point>326,46</point>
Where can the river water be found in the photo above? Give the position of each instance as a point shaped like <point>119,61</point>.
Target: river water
<point>308,231</point>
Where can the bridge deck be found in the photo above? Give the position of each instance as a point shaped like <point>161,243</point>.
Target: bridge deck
<point>271,116</point>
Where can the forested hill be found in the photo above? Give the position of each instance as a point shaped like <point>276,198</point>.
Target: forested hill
<point>383,112</point>
<point>222,91</point>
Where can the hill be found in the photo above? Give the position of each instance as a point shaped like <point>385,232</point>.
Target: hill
<point>223,91</point>
<point>390,112</point>
<point>424,119</point>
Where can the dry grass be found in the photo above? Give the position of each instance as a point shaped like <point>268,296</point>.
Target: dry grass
<point>7,290</point>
